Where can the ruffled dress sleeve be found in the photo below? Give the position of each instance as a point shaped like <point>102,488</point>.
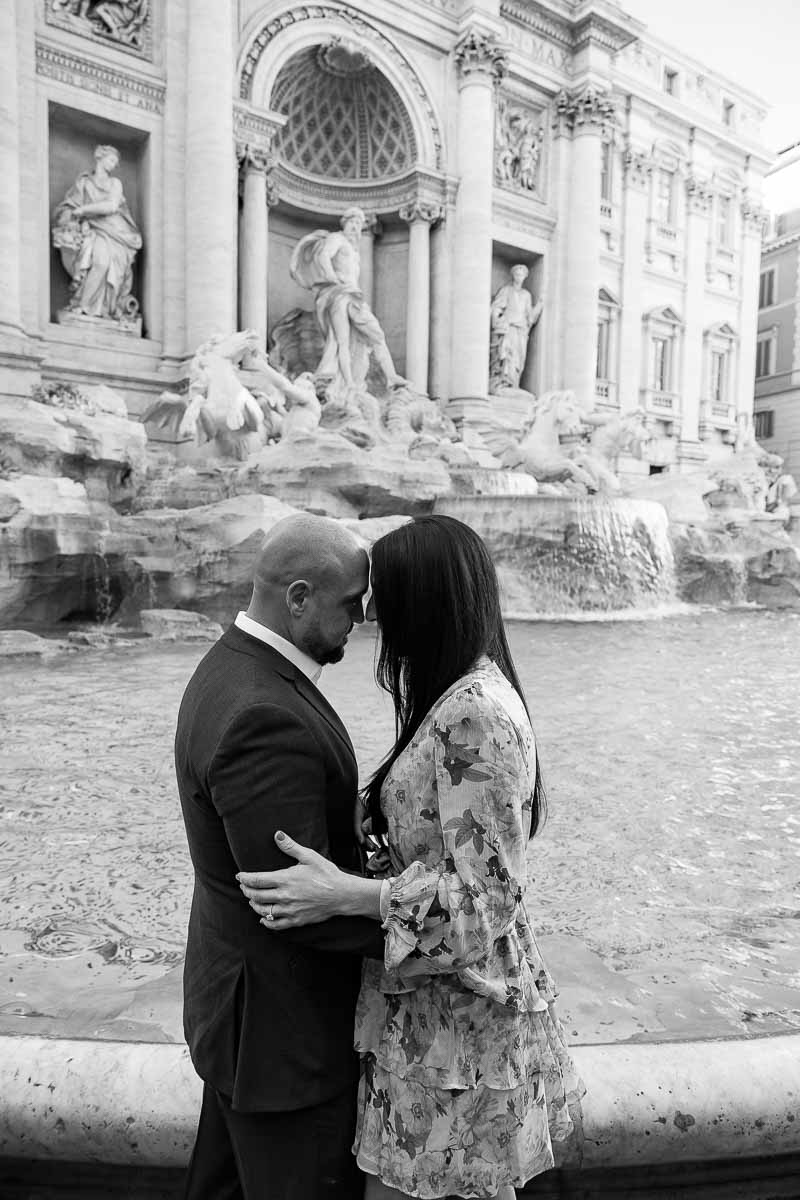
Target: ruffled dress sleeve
<point>447,916</point>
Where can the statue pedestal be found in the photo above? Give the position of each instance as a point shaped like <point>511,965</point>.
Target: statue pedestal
<point>129,326</point>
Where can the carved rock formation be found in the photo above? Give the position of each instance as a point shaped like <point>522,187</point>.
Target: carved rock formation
<point>104,451</point>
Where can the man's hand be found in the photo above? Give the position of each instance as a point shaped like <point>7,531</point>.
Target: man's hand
<point>302,895</point>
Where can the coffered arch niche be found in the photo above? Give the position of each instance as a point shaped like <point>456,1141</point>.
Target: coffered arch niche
<point>360,129</point>
<point>271,43</point>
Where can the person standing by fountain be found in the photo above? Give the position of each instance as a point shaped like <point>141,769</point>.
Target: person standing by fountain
<point>466,1080</point>
<point>269,1022</point>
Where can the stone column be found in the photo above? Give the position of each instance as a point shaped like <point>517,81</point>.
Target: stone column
<point>441,300</point>
<point>689,384</point>
<point>10,208</point>
<point>637,171</point>
<point>481,64</point>
<point>254,244</point>
<point>754,220</point>
<point>418,300</point>
<point>583,117</point>
<point>210,173</point>
<point>371,230</point>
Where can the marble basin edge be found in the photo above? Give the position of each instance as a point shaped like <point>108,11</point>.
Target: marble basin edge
<point>137,1103</point>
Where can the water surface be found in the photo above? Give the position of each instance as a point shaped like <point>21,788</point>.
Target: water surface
<point>665,883</point>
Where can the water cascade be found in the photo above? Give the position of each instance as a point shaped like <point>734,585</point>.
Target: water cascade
<point>557,554</point>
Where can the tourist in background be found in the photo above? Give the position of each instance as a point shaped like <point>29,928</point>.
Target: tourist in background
<point>466,1080</point>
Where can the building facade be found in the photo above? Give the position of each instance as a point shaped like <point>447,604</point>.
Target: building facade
<point>475,136</point>
<point>777,388</point>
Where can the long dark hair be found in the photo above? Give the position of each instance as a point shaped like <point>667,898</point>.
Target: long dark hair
<point>437,602</point>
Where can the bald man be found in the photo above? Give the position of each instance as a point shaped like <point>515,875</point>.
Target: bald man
<point>269,1018</point>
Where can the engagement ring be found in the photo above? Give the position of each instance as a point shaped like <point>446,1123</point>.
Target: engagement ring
<point>270,914</point>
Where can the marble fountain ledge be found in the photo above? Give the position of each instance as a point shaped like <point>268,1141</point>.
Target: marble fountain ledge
<point>646,1104</point>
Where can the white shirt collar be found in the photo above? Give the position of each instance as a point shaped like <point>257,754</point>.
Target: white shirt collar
<point>311,669</point>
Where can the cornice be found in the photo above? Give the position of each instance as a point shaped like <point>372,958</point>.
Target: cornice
<point>418,187</point>
<point>536,18</point>
<point>53,62</point>
<point>601,31</point>
<point>780,243</point>
<point>571,35</point>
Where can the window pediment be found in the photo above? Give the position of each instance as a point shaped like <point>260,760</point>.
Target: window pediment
<point>668,155</point>
<point>722,330</point>
<point>665,315</point>
<point>607,298</point>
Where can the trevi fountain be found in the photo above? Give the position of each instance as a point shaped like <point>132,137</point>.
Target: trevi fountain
<point>655,623</point>
<point>654,614</point>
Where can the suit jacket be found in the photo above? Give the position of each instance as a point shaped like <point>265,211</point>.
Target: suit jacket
<point>268,1017</point>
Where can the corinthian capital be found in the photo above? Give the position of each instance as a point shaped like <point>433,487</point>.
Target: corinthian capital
<point>754,217</point>
<point>421,211</point>
<point>479,55</point>
<point>698,194</point>
<point>587,111</point>
<point>256,158</point>
<point>637,167</point>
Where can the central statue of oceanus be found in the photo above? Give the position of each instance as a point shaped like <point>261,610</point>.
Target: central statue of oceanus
<point>329,264</point>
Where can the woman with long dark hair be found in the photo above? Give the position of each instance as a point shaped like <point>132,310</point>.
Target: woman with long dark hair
<point>466,1080</point>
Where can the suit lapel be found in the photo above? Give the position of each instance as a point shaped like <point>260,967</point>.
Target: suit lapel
<point>245,643</point>
<point>310,692</point>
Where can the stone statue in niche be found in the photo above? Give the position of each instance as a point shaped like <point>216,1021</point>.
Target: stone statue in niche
<point>117,20</point>
<point>329,265</point>
<point>517,147</point>
<point>98,240</point>
<point>513,316</point>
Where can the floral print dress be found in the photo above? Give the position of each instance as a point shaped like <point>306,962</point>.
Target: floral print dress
<point>466,1079</point>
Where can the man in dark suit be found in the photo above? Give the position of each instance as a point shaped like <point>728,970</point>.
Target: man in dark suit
<point>268,1018</point>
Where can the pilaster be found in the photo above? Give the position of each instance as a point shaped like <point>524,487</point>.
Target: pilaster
<point>637,167</point>
<point>10,207</point>
<point>754,224</point>
<point>20,357</point>
<point>210,208</point>
<point>698,207</point>
<point>419,218</point>
<point>481,63</point>
<point>583,117</point>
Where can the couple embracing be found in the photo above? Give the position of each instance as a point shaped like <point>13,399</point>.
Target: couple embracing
<point>380,1032</point>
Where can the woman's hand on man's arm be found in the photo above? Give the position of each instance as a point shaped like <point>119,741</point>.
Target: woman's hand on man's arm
<point>310,892</point>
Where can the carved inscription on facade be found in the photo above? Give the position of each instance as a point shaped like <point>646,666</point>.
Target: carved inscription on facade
<point>66,67</point>
<point>537,49</point>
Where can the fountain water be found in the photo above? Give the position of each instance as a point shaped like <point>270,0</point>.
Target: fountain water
<point>564,555</point>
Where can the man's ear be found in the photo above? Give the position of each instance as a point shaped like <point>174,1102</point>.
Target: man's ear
<point>297,595</point>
